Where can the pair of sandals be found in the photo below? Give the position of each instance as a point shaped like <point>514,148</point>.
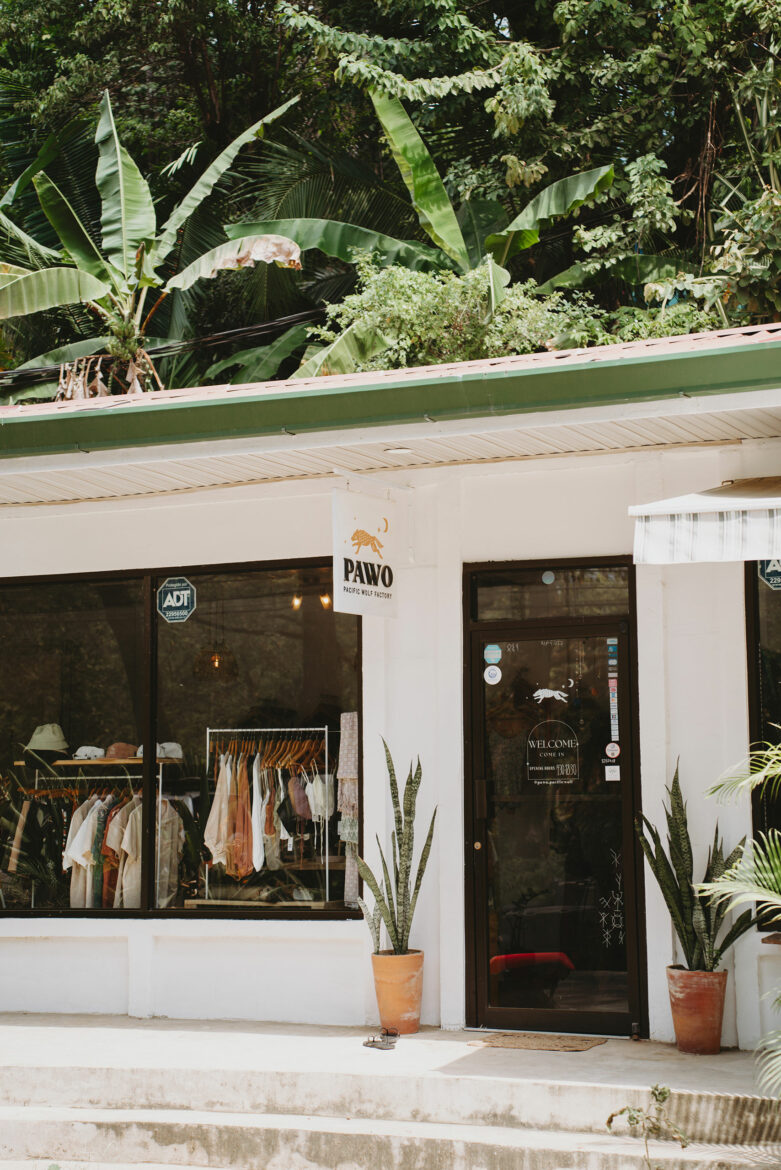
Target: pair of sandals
<point>385,1041</point>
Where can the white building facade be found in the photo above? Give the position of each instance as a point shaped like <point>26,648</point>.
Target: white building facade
<point>517,555</point>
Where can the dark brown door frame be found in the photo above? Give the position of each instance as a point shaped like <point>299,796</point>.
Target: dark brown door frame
<point>625,625</point>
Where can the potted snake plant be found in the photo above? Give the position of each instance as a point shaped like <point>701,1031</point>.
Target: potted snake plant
<point>398,971</point>
<point>696,989</point>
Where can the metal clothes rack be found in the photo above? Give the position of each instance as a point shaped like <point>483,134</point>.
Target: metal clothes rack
<point>325,731</point>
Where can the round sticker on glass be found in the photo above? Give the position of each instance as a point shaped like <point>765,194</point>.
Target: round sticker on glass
<point>612,751</point>
<point>492,675</point>
<point>492,653</point>
<point>548,577</point>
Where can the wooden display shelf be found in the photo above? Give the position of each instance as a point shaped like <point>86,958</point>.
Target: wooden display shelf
<point>111,763</point>
<point>204,903</point>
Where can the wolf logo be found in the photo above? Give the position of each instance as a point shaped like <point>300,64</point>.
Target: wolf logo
<point>545,693</point>
<point>361,539</point>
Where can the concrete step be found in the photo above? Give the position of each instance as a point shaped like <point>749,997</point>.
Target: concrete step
<point>99,1139</point>
<point>388,1091</point>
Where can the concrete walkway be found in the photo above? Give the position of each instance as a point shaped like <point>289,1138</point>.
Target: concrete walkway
<point>123,1043</point>
<point>111,1091</point>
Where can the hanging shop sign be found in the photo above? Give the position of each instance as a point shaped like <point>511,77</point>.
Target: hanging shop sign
<point>552,754</point>
<point>176,599</point>
<point>366,551</point>
<point>770,573</point>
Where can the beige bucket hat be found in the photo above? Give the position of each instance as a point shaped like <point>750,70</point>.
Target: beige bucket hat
<point>47,737</point>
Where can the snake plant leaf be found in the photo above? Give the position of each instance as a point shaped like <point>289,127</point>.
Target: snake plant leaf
<point>560,198</point>
<point>419,877</point>
<point>244,253</point>
<point>681,854</point>
<point>665,876</point>
<point>74,236</point>
<point>343,241</point>
<point>359,343</point>
<point>392,903</point>
<point>205,184</point>
<point>740,926</point>
<point>379,900</point>
<point>394,790</point>
<point>422,179</point>
<point>261,362</point>
<point>49,288</point>
<point>128,213</point>
<point>373,922</point>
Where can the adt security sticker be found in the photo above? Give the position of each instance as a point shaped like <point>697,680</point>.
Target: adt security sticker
<point>492,675</point>
<point>176,599</point>
<point>492,653</point>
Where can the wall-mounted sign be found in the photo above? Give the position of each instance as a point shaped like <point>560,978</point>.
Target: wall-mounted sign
<point>366,552</point>
<point>176,599</point>
<point>552,754</point>
<point>770,573</point>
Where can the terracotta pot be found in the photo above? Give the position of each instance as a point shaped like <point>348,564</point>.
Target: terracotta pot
<point>398,984</point>
<point>697,1003</point>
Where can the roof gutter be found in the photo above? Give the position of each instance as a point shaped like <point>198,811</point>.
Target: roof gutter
<point>151,421</point>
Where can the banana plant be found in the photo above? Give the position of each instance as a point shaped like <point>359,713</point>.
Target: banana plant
<point>115,279</point>
<point>478,234</point>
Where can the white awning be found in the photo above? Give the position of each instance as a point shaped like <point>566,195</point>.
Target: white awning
<point>739,521</point>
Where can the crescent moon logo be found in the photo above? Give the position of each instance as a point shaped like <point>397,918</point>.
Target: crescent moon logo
<point>385,519</point>
<point>571,682</point>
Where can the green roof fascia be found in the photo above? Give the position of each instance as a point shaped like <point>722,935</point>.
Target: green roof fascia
<point>471,394</point>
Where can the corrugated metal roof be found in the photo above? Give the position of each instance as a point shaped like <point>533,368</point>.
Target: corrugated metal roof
<point>657,347</point>
<point>232,462</point>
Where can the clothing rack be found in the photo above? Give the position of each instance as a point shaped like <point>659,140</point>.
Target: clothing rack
<point>255,731</point>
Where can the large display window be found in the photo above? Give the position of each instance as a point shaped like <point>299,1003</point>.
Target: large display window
<point>180,743</point>
<point>763,607</point>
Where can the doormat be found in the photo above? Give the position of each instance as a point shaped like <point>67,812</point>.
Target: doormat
<point>537,1042</point>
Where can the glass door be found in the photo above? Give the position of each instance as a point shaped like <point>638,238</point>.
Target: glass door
<point>552,846</point>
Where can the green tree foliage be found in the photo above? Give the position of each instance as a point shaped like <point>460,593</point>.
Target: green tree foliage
<point>406,318</point>
<point>113,277</point>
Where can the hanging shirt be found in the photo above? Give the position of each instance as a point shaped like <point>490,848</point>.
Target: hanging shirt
<point>259,804</point>
<point>78,872</point>
<point>215,836</point>
<point>240,843</point>
<point>169,844</point>
<point>81,854</point>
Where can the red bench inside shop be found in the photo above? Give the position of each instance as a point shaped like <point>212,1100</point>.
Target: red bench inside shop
<point>501,963</point>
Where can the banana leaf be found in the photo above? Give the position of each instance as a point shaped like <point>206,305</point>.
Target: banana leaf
<point>343,240</point>
<point>634,270</point>
<point>205,185</point>
<point>74,236</point>
<point>261,362</point>
<point>359,343</point>
<point>242,253</point>
<point>478,218</point>
<point>498,279</point>
<point>49,288</point>
<point>558,199</point>
<point>422,179</point>
<point>128,213</point>
<point>67,353</point>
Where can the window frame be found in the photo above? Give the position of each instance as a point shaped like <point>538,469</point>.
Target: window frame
<point>149,578</point>
<point>751,590</point>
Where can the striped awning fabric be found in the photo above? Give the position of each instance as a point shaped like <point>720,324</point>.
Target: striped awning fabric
<point>738,521</point>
